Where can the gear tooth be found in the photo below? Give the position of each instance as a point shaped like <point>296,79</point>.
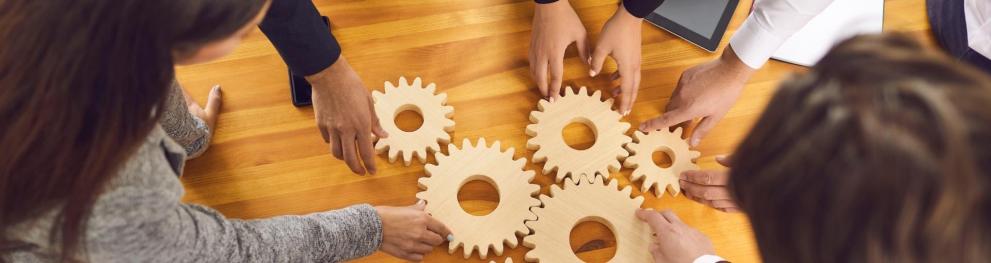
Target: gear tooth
<point>407,158</point>
<point>677,131</point>
<point>675,190</point>
<point>377,96</point>
<point>531,130</point>
<point>390,86</point>
<point>449,112</point>
<point>483,252</point>
<point>571,180</point>
<point>402,81</point>
<point>417,83</point>
<point>582,91</point>
<point>627,190</point>
<point>432,88</point>
<point>421,195</point>
<point>511,242</point>
<point>453,246</point>
<point>543,104</point>
<point>695,155</point>
<point>421,154</point>
<point>423,183</point>
<point>481,143</point>
<point>442,97</point>
<point>528,242</point>
<point>638,200</point>
<point>497,145</point>
<point>597,95</point>
<point>466,144</point>
<point>381,146</point>
<point>393,155</point>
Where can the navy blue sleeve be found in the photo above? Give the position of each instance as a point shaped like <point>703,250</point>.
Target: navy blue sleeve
<point>300,35</point>
<point>638,8</point>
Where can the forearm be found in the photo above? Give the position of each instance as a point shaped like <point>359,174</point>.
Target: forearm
<point>191,132</point>
<point>638,8</point>
<point>193,233</point>
<point>300,36</point>
<point>770,25</point>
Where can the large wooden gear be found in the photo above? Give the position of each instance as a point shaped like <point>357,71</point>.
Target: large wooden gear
<point>579,202</point>
<point>490,164</point>
<point>551,118</point>
<point>641,149</point>
<point>437,122</point>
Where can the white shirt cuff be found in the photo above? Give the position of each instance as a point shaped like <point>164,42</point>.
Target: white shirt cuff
<point>753,44</point>
<point>708,259</point>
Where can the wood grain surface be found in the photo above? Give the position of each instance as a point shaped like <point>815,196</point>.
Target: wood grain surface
<point>268,158</point>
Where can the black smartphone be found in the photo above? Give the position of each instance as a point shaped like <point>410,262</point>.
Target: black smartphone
<point>299,88</point>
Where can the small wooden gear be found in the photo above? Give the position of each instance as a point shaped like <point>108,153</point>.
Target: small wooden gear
<point>490,164</point>
<point>578,202</point>
<point>641,149</point>
<point>437,122</point>
<point>550,120</point>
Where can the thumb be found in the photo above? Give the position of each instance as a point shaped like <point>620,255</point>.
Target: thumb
<point>376,126</point>
<point>420,205</point>
<point>598,58</point>
<point>583,50</point>
<point>724,160</point>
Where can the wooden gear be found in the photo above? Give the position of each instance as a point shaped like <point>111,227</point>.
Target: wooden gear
<point>437,122</point>
<point>550,120</point>
<point>641,149</point>
<point>490,164</point>
<point>578,202</point>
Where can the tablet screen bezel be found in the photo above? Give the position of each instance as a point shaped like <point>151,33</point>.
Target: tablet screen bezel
<point>709,44</point>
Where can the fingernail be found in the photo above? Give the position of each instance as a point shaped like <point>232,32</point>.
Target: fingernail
<point>450,237</point>
<point>695,142</point>
<point>421,202</point>
<point>591,73</point>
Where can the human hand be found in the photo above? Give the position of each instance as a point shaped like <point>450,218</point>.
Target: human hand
<point>704,91</point>
<point>409,232</point>
<point>674,241</point>
<point>621,39</point>
<point>555,27</point>
<point>345,115</point>
<point>210,113</point>
<point>709,187</point>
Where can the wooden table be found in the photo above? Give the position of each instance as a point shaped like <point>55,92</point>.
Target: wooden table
<point>268,159</point>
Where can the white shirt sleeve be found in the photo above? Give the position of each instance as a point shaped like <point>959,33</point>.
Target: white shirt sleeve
<point>771,23</point>
<point>708,259</point>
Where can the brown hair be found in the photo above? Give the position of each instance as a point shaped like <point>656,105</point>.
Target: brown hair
<point>79,82</point>
<point>881,153</point>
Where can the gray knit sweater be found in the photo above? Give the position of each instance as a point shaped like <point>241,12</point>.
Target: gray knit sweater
<point>139,218</point>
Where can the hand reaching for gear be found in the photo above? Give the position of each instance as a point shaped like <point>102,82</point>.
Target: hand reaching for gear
<point>621,39</point>
<point>555,27</point>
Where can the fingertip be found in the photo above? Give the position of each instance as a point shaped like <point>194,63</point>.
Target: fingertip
<point>450,237</point>
<point>592,73</point>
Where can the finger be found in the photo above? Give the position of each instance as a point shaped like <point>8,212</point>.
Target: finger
<point>583,49</point>
<point>324,133</point>
<point>437,227</point>
<point>731,210</point>
<point>616,92</point>
<point>413,257</point>
<point>420,205</point>
<point>636,89</point>
<point>541,72</point>
<point>614,76</point>
<point>376,126</point>
<point>723,204</point>
<point>557,77</point>
<point>671,217</point>
<point>710,178</point>
<point>213,101</point>
<point>627,86</point>
<point>653,219</point>
<point>665,120</point>
<point>335,144</point>
<point>705,192</point>
<point>432,239</point>
<point>367,151</point>
<point>703,128</point>
<point>724,160</point>
<point>598,58</point>
<point>350,153</point>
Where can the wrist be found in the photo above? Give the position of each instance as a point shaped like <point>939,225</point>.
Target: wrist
<point>624,16</point>
<point>326,74</point>
<point>735,66</point>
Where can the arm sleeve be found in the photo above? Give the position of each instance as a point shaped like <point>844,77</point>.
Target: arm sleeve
<point>300,35</point>
<point>638,8</point>
<point>155,227</point>
<point>183,127</point>
<point>770,25</point>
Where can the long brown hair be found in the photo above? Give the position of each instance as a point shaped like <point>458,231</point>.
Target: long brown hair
<point>881,153</point>
<point>79,84</point>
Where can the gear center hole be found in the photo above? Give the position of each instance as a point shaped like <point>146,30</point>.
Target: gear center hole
<point>663,157</point>
<point>593,241</point>
<point>579,134</point>
<point>409,118</point>
<point>478,196</point>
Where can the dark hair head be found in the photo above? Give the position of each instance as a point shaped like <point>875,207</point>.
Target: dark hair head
<point>880,154</point>
<point>79,82</point>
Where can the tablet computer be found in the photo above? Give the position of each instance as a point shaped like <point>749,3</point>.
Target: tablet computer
<point>701,22</point>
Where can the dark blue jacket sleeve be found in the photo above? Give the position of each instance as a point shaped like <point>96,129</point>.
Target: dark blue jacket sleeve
<point>637,8</point>
<point>300,35</point>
